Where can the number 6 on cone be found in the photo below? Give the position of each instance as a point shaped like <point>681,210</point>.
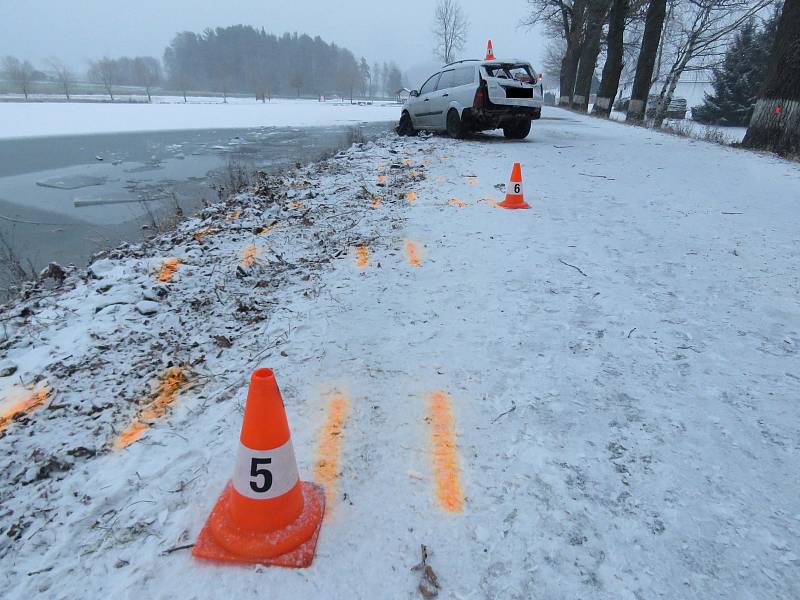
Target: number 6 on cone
<point>265,514</point>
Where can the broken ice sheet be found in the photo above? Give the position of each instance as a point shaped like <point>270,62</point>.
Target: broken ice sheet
<point>72,182</point>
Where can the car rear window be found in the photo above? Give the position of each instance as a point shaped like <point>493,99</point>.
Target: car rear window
<point>520,73</point>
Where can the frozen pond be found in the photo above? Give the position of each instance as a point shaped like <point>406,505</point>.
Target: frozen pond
<point>64,198</point>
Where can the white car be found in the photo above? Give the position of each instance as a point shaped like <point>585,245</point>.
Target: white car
<point>474,95</point>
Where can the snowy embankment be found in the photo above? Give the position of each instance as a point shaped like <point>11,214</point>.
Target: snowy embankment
<point>31,119</point>
<point>620,366</point>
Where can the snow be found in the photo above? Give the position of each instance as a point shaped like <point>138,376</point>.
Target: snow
<point>32,119</point>
<point>622,362</point>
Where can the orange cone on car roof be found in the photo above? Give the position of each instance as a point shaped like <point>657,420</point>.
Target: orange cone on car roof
<point>515,198</point>
<point>265,514</point>
<point>489,51</point>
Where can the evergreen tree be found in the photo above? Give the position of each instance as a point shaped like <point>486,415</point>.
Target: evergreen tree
<point>737,81</point>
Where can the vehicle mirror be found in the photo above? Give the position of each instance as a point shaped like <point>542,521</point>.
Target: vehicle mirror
<point>414,93</point>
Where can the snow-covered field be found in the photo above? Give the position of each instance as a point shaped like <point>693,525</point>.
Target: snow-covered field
<point>621,363</point>
<point>29,119</point>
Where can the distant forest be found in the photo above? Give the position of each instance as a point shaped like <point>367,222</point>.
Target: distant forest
<point>227,60</point>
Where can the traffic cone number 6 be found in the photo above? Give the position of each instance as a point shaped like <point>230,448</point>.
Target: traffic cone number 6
<point>517,188</point>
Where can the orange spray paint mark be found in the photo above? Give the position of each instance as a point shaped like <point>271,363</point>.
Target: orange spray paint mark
<point>381,178</point>
<point>249,255</point>
<point>326,471</point>
<point>362,257</point>
<point>170,384</point>
<point>412,254</point>
<point>444,157</point>
<point>169,267</point>
<point>490,201</point>
<point>295,205</point>
<point>234,215</point>
<point>376,202</point>
<point>406,162</point>
<point>411,196</point>
<point>414,174</point>
<point>472,180</point>
<point>268,228</point>
<point>457,203</point>
<point>26,402</point>
<point>445,454</point>
<point>440,179</point>
<point>200,234</point>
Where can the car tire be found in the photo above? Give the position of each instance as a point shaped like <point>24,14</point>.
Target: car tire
<point>455,127</point>
<point>517,131</point>
<point>406,126</point>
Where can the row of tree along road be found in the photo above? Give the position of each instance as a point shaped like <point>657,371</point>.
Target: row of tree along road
<point>655,42</point>
<point>227,60</point>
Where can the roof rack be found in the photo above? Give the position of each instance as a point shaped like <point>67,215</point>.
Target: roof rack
<point>461,61</point>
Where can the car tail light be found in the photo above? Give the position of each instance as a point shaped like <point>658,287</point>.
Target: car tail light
<point>480,96</point>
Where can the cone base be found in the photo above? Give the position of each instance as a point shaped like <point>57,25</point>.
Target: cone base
<point>513,204</point>
<point>300,557</point>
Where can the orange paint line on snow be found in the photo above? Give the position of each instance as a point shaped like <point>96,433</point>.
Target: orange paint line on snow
<point>457,203</point>
<point>444,157</point>
<point>249,255</point>
<point>376,202</point>
<point>440,179</point>
<point>446,470</point>
<point>381,178</point>
<point>295,205</point>
<point>234,215</point>
<point>407,162</point>
<point>326,471</point>
<point>414,174</point>
<point>362,256</point>
<point>412,254</point>
<point>472,180</point>
<point>169,385</point>
<point>28,401</point>
<point>411,196</point>
<point>169,266</point>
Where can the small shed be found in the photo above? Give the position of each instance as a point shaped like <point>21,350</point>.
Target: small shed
<point>403,94</point>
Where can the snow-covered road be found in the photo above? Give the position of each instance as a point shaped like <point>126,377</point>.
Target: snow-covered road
<point>620,365</point>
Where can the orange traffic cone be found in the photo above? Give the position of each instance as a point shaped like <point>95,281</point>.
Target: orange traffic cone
<point>514,196</point>
<point>265,514</point>
<point>489,51</point>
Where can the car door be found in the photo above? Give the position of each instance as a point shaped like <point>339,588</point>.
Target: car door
<point>421,108</point>
<point>440,100</point>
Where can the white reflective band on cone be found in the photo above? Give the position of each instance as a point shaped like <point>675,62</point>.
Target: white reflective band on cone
<point>265,474</point>
<point>514,189</point>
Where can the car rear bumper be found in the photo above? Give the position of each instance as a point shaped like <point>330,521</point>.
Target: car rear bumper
<point>498,115</point>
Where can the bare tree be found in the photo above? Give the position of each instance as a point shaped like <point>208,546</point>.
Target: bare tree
<point>148,73</point>
<point>104,71</point>
<point>562,19</point>
<point>63,74</point>
<point>654,23</point>
<point>19,72</point>
<point>775,124</point>
<point>612,69</point>
<point>590,49</point>
<point>701,34</point>
<point>450,28</point>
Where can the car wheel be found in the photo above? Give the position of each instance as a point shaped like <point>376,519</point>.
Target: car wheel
<point>518,130</point>
<point>455,128</point>
<point>406,127</point>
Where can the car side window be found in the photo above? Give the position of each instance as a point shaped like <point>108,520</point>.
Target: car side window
<point>447,80</point>
<point>464,76</point>
<point>429,85</point>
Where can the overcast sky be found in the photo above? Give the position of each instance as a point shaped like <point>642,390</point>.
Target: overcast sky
<point>400,30</point>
